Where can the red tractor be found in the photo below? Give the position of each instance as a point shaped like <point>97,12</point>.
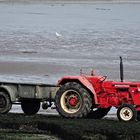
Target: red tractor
<point>93,96</point>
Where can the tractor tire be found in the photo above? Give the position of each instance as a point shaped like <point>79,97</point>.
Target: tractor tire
<point>126,113</point>
<point>5,103</point>
<point>99,113</point>
<point>138,115</point>
<point>30,107</point>
<point>73,100</point>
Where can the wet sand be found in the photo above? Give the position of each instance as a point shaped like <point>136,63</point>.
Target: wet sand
<point>92,40</point>
<point>92,36</point>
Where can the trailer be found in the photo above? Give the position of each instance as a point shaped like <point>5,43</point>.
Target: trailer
<point>29,95</point>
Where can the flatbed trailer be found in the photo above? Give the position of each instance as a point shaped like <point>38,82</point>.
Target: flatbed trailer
<point>29,95</point>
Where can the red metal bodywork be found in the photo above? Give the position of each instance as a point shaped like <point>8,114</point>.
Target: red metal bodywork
<point>108,93</point>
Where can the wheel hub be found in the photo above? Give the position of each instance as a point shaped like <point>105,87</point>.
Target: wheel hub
<point>2,102</point>
<point>73,101</point>
<point>126,113</point>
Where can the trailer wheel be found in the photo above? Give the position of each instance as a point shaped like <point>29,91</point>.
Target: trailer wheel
<point>126,113</point>
<point>99,113</point>
<point>5,103</point>
<point>30,107</point>
<point>73,100</point>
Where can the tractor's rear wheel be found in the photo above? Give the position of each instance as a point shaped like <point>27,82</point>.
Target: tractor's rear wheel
<point>126,113</point>
<point>73,100</point>
<point>5,103</point>
<point>30,107</point>
<point>99,113</point>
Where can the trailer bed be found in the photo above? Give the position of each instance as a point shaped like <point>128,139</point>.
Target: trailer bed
<point>24,90</point>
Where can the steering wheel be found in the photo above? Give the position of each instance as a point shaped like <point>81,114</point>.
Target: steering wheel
<point>100,80</point>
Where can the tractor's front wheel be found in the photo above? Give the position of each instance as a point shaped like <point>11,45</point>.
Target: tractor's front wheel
<point>126,113</point>
<point>73,100</point>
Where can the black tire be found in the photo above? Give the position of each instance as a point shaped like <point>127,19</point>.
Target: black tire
<point>99,113</point>
<point>5,103</point>
<point>126,113</point>
<point>30,107</point>
<point>138,115</point>
<point>73,100</point>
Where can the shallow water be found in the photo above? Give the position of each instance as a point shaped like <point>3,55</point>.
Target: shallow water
<point>91,36</point>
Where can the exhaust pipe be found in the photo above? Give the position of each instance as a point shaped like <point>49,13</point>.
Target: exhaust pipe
<point>121,69</point>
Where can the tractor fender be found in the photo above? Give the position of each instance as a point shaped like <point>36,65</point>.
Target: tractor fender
<point>82,80</point>
<point>10,91</point>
